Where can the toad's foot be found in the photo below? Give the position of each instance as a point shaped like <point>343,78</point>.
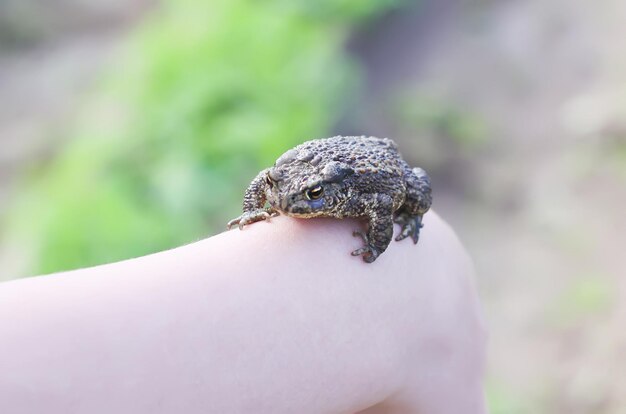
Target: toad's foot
<point>250,217</point>
<point>411,226</point>
<point>369,252</point>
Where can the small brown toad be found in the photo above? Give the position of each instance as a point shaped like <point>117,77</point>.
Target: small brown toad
<point>360,177</point>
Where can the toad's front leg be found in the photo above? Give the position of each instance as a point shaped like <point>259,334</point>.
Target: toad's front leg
<point>379,210</point>
<point>254,203</point>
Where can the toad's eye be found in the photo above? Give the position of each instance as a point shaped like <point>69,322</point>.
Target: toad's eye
<point>269,181</point>
<point>315,192</point>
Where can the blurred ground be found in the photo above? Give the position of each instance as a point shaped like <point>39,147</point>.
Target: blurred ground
<point>50,54</point>
<point>519,110</point>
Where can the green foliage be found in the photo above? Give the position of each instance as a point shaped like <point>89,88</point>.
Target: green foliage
<point>205,95</point>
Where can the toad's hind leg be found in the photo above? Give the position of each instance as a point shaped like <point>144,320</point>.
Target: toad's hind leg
<point>416,204</point>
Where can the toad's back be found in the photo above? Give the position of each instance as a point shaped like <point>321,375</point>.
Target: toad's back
<point>361,153</point>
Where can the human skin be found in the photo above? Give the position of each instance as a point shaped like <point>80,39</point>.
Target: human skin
<point>277,318</point>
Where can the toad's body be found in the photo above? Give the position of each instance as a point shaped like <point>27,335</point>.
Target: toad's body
<point>361,177</point>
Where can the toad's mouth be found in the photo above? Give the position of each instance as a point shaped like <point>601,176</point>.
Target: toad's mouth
<point>303,215</point>
<point>303,210</point>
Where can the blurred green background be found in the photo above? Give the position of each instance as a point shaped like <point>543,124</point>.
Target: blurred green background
<point>129,127</point>
<point>203,95</point>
